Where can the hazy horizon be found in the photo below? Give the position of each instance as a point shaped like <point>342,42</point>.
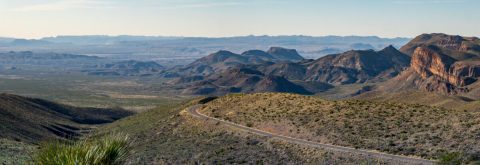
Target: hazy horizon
<point>33,19</point>
<point>165,36</point>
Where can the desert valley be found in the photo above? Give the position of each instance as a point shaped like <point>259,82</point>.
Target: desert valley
<point>239,82</point>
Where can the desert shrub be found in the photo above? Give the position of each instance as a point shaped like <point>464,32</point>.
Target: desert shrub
<point>107,150</point>
<point>453,158</point>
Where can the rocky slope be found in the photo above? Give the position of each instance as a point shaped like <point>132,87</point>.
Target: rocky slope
<point>357,66</point>
<point>457,47</point>
<point>244,80</point>
<point>440,63</point>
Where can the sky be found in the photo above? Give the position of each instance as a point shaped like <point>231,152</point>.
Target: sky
<point>222,18</point>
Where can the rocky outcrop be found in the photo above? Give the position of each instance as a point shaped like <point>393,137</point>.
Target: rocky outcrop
<point>432,70</point>
<point>466,69</point>
<point>285,54</point>
<point>428,62</point>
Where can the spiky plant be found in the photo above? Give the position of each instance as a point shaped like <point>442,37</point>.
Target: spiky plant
<point>107,150</point>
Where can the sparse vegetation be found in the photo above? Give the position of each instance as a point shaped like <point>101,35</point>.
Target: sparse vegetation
<point>169,135</point>
<point>454,158</point>
<point>108,150</point>
<point>14,152</point>
<point>397,128</point>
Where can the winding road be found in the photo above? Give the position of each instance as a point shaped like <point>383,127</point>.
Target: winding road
<point>373,154</point>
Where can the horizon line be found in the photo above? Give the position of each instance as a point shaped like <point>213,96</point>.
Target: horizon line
<point>231,36</point>
<point>193,36</point>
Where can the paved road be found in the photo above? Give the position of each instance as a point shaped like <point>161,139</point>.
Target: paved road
<point>377,155</point>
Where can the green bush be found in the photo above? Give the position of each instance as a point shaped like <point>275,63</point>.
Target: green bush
<point>108,150</point>
<point>454,158</point>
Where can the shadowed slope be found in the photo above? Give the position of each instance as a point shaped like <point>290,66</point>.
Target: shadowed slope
<point>32,120</point>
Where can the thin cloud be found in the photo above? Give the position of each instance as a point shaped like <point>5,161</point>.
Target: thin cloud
<point>201,5</point>
<point>65,5</point>
<point>187,4</point>
<point>428,1</point>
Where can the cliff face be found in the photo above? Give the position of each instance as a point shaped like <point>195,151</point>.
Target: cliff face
<point>432,70</point>
<point>447,64</point>
<point>428,62</point>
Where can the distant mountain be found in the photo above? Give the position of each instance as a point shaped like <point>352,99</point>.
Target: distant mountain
<point>41,61</point>
<point>33,120</point>
<point>244,80</point>
<point>223,60</point>
<point>354,66</point>
<point>126,68</point>
<point>25,42</point>
<point>103,39</point>
<point>226,72</point>
<point>457,47</point>
<point>173,51</point>
<point>441,63</point>
<point>28,55</point>
<point>284,54</point>
<point>273,40</point>
<point>6,40</point>
<point>361,46</point>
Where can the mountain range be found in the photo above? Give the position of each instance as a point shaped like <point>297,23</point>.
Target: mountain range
<point>439,63</point>
<point>290,70</point>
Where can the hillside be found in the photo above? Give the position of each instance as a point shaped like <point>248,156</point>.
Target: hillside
<point>357,66</point>
<point>423,98</point>
<point>223,60</point>
<point>223,72</point>
<point>243,80</point>
<point>170,135</point>
<point>397,128</point>
<point>440,63</point>
<point>33,120</point>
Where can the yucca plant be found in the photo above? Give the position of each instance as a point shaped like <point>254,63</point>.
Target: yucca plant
<point>107,150</point>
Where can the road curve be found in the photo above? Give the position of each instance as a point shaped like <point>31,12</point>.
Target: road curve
<point>373,154</point>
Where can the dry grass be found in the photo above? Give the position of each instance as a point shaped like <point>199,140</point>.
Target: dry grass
<point>168,135</point>
<point>408,129</point>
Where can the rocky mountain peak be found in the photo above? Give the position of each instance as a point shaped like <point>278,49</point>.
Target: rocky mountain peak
<point>285,54</point>
<point>390,48</point>
<point>219,56</point>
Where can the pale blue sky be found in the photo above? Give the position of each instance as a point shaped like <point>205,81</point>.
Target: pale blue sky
<point>216,18</point>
